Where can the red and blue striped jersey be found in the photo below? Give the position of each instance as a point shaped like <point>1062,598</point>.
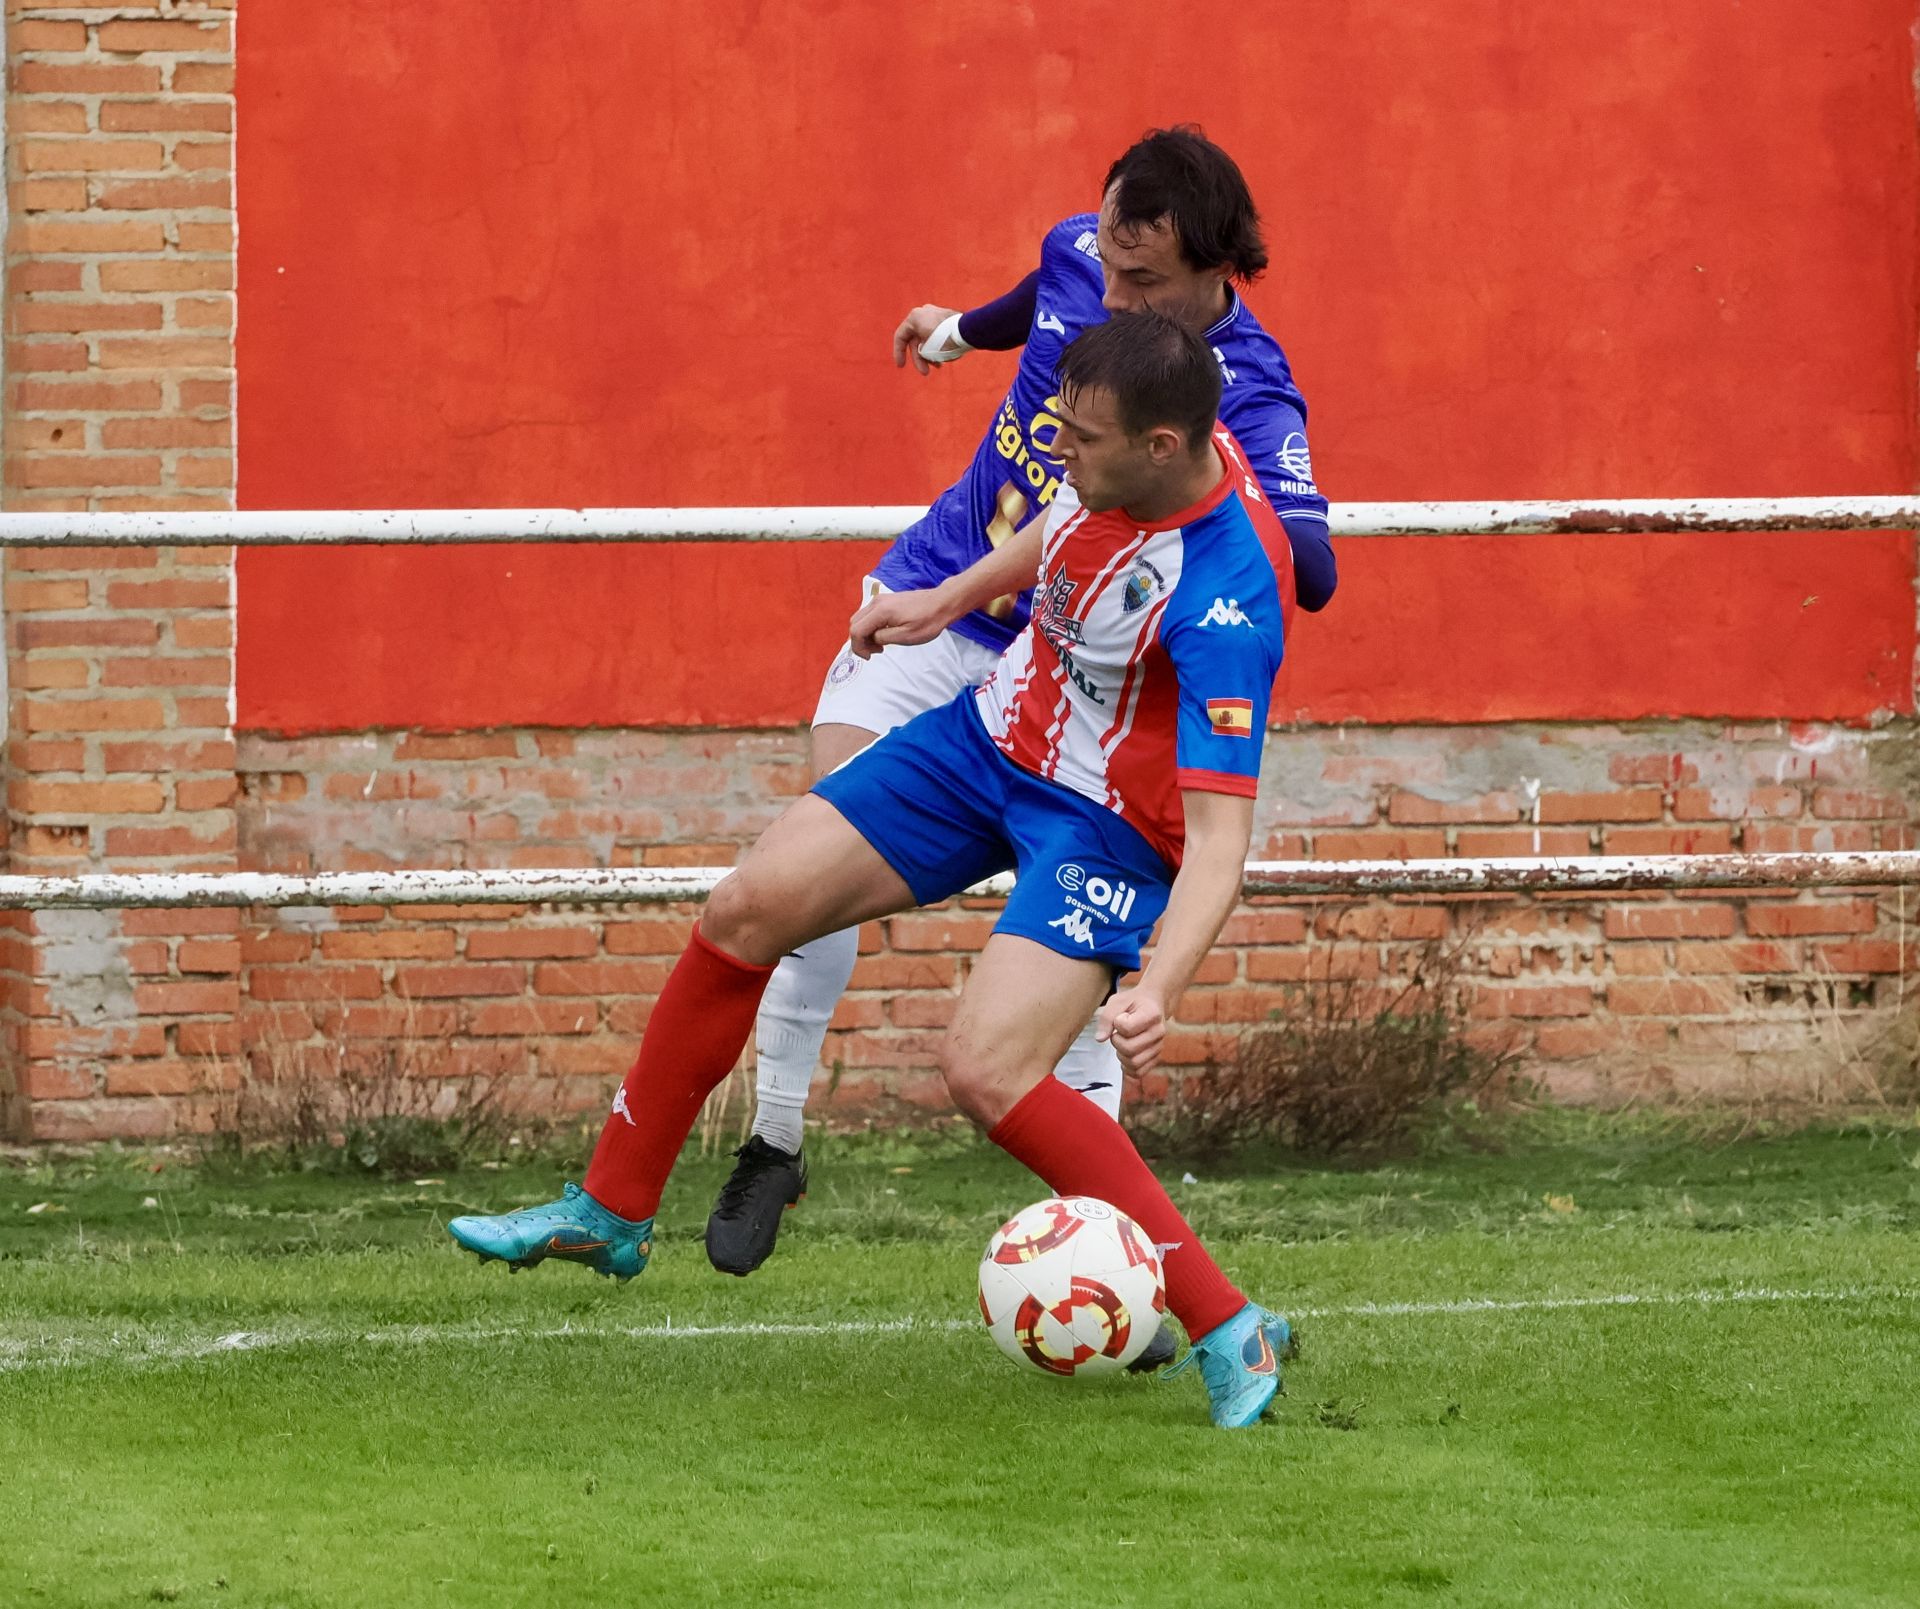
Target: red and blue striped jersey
<point>1148,664</point>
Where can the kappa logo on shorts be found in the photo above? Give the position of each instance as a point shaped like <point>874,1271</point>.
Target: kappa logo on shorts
<point>1076,926</point>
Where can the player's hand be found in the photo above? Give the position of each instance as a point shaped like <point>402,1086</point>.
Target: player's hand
<point>1135,1021</point>
<point>914,329</point>
<point>898,619</point>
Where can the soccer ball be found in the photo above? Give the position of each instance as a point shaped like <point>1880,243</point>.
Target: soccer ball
<point>1072,1287</point>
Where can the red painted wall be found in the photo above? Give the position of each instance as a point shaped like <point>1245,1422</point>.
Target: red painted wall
<point>592,252</point>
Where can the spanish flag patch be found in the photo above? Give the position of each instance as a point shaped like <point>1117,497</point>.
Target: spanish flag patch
<point>1230,717</point>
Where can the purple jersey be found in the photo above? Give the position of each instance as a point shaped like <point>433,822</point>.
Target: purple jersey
<point>1014,477</point>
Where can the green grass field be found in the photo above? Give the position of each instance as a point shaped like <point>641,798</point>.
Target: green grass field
<point>1577,1361</point>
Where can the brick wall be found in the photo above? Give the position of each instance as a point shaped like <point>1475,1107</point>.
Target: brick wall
<point>119,395</point>
<point>120,754</point>
<point>1785,995</point>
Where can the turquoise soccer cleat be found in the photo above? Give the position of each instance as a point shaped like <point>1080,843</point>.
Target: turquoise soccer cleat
<point>1240,1362</point>
<point>576,1227</point>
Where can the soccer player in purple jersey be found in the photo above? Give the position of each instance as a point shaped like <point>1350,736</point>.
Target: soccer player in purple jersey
<point>1176,232</point>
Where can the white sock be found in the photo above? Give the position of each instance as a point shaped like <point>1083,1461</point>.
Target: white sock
<point>1093,1069</point>
<point>791,1028</point>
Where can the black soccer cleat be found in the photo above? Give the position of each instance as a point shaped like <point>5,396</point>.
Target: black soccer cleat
<point>746,1219</point>
<point>1159,1351</point>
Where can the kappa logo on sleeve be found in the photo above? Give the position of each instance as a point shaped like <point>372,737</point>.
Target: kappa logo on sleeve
<point>1230,717</point>
<point>1226,612</point>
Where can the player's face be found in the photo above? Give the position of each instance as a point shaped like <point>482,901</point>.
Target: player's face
<point>1104,465</point>
<point>1143,269</point>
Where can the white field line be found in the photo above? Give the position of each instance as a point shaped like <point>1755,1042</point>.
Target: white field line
<point>140,1347</point>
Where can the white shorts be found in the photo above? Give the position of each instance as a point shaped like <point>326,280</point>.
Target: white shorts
<point>891,688</point>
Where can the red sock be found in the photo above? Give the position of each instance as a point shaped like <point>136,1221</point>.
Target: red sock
<point>1080,1151</point>
<point>699,1025</point>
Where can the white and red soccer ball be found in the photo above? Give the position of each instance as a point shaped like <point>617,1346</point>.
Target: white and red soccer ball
<point>1072,1287</point>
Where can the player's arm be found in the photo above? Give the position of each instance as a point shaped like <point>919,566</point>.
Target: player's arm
<point>902,618</point>
<point>1205,891</point>
<point>1273,434</point>
<point>1225,673</point>
<point>1002,324</point>
<point>1315,573</point>
<point>932,334</point>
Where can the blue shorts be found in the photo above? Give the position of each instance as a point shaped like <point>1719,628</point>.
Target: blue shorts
<point>945,808</point>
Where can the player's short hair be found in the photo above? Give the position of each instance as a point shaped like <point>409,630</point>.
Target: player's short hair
<point>1157,371</point>
<point>1179,174</point>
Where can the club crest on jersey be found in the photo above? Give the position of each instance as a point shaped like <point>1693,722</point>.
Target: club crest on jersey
<point>1230,717</point>
<point>1140,587</point>
<point>1225,612</point>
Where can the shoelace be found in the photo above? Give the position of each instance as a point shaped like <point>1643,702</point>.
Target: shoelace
<point>556,1214</point>
<point>569,1212</point>
<point>1201,1352</point>
<point>595,1218</point>
<point>733,1194</point>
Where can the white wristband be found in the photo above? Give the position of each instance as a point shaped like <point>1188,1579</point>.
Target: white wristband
<point>945,344</point>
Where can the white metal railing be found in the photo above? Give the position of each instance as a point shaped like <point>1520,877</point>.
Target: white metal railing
<point>1585,874</point>
<point>652,885</point>
<point>444,525</point>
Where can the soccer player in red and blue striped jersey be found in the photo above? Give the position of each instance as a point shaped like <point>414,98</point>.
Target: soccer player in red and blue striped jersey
<point>1112,757</point>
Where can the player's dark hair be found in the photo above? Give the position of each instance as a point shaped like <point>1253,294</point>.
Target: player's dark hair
<point>1157,371</point>
<point>1179,174</point>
